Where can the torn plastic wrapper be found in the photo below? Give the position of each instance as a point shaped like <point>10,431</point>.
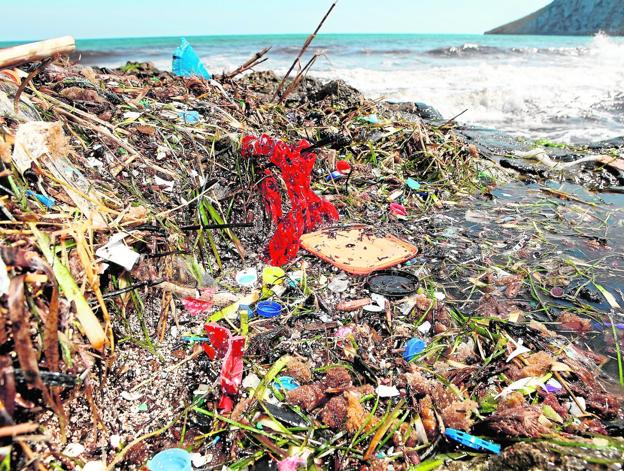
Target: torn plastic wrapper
<point>117,252</point>
<point>222,343</point>
<point>186,62</point>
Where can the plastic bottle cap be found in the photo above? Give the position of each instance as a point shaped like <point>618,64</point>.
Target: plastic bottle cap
<point>268,309</point>
<point>343,166</point>
<point>174,459</point>
<point>471,441</point>
<point>413,347</point>
<point>285,383</point>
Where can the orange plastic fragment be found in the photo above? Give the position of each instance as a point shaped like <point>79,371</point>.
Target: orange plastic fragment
<point>357,250</point>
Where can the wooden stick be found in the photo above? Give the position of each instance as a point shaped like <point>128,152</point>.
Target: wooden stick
<point>298,78</point>
<point>32,52</point>
<point>303,49</point>
<point>248,64</point>
<point>19,429</point>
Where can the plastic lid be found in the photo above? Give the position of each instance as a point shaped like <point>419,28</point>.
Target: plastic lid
<point>247,277</point>
<point>268,309</point>
<point>471,441</point>
<point>413,347</point>
<point>174,459</point>
<point>343,166</point>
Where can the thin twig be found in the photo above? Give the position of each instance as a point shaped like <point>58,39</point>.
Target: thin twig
<point>26,81</point>
<point>298,78</point>
<point>251,62</point>
<point>303,50</point>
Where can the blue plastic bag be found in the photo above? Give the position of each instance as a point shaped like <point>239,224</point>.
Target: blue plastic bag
<point>186,62</point>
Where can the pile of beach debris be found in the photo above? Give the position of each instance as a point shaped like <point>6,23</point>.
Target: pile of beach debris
<point>207,268</point>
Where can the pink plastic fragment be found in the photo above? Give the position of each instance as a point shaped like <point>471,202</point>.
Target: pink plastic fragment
<point>308,210</point>
<point>196,306</point>
<point>201,305</point>
<point>292,463</point>
<point>398,209</point>
<point>344,332</point>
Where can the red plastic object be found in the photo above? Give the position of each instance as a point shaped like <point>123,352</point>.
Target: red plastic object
<point>219,340</point>
<point>398,209</point>
<point>308,210</point>
<point>222,343</point>
<point>343,166</point>
<point>272,197</point>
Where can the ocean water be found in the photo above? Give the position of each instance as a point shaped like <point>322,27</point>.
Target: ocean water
<point>568,89</point>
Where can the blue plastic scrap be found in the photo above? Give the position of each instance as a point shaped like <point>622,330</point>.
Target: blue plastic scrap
<point>47,201</point>
<point>471,441</point>
<point>189,117</point>
<point>335,175</point>
<point>413,347</point>
<point>186,62</point>
<point>173,459</point>
<point>285,383</point>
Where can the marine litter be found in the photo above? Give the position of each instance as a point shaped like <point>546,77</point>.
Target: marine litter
<point>141,313</point>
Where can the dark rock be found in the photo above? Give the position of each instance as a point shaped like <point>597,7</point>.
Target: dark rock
<point>422,110</point>
<point>338,89</point>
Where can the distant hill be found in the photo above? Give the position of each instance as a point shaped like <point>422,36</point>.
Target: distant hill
<point>570,17</point>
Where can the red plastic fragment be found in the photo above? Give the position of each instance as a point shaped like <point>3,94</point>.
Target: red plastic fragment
<point>343,167</point>
<point>223,344</point>
<point>308,210</point>
<point>232,368</point>
<point>219,340</point>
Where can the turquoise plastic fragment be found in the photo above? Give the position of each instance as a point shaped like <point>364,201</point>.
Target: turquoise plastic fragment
<point>189,117</point>
<point>412,184</point>
<point>47,201</point>
<point>186,62</point>
<point>471,441</point>
<point>285,383</point>
<point>173,459</point>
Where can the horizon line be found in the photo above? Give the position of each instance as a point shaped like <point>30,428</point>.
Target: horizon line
<point>249,35</point>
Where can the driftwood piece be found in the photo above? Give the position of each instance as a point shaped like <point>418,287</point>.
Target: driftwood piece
<point>32,52</point>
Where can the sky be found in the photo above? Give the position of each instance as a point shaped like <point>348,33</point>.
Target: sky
<point>38,19</point>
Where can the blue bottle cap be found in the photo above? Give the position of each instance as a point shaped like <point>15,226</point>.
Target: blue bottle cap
<point>268,309</point>
<point>413,347</point>
<point>471,441</point>
<point>174,459</point>
<point>285,383</point>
